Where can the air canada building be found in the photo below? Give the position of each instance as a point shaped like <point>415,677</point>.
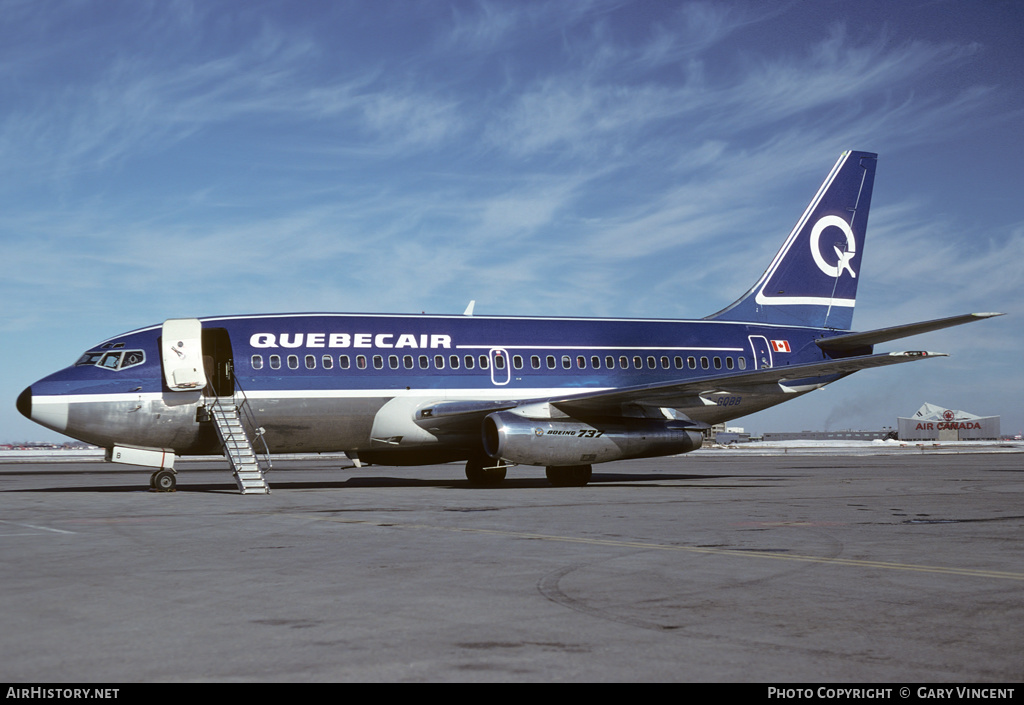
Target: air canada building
<point>935,423</point>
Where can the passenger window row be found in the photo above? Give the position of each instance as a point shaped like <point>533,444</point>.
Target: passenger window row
<point>639,362</point>
<point>394,362</point>
<point>469,362</point>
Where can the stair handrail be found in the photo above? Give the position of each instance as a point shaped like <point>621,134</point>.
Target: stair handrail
<point>245,409</point>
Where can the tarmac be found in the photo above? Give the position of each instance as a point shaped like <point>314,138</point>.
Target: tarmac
<point>710,567</point>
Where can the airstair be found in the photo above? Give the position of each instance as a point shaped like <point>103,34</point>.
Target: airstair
<point>247,466</point>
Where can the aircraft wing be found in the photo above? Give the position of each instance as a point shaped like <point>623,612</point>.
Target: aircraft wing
<point>690,393</point>
<point>456,416</point>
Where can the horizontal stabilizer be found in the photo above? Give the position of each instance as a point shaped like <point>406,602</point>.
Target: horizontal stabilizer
<point>854,341</point>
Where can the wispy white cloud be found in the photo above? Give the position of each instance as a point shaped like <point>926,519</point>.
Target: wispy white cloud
<point>914,258</point>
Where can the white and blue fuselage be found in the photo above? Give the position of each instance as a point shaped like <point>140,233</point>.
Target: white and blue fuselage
<point>319,382</point>
<point>415,389</point>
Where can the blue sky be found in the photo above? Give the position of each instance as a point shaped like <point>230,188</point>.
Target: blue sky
<point>176,159</point>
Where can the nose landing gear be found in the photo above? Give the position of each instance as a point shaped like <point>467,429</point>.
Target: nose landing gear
<point>163,481</point>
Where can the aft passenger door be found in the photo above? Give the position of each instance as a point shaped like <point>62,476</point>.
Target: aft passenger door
<point>762,352</point>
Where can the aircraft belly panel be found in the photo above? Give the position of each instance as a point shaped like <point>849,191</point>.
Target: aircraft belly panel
<point>312,424</point>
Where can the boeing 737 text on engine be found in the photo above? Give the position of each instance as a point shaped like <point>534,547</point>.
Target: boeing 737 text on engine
<point>563,393</point>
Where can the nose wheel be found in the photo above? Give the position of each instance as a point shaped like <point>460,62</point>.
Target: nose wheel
<point>163,481</point>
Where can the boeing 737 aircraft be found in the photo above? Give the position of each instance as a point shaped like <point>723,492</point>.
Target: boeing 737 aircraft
<point>563,393</point>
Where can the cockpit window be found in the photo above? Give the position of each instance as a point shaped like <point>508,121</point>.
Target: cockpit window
<point>119,360</point>
<point>132,358</point>
<point>90,358</point>
<point>111,360</point>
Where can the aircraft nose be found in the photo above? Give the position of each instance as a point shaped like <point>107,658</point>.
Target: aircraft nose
<point>25,403</point>
<point>51,412</point>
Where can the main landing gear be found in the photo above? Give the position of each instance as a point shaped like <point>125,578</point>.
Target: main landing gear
<point>485,472</point>
<point>163,481</point>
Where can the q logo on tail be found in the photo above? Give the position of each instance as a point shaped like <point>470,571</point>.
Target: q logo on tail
<point>845,257</point>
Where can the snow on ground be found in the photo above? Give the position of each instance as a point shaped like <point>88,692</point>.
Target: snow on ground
<point>867,447</point>
<point>838,448</point>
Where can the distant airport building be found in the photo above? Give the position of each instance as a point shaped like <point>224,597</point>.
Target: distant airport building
<point>936,423</point>
<point>848,435</point>
<point>724,435</point>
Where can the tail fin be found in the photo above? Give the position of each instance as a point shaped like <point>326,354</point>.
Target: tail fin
<point>813,279</point>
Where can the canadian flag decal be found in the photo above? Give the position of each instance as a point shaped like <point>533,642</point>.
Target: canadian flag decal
<point>780,346</point>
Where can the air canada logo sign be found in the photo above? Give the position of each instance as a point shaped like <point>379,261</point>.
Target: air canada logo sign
<point>948,425</point>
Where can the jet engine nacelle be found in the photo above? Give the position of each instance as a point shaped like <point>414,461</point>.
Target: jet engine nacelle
<point>561,442</point>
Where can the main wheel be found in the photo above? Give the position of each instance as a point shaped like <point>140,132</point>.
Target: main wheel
<point>484,472</point>
<point>163,481</point>
<point>569,475</point>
